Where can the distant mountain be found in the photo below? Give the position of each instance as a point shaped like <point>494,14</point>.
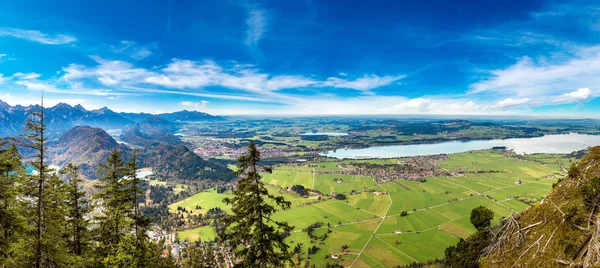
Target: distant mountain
<point>63,117</point>
<point>59,118</point>
<point>156,123</point>
<point>136,117</point>
<point>85,147</point>
<point>105,118</point>
<point>189,116</point>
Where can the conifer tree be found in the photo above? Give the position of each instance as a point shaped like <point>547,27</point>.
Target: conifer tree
<point>114,198</point>
<point>36,140</point>
<point>140,223</point>
<point>12,221</point>
<point>77,207</point>
<point>259,240</point>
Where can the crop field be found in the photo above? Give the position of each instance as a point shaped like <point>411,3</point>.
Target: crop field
<point>368,223</point>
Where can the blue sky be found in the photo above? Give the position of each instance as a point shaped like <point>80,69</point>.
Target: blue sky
<point>305,57</point>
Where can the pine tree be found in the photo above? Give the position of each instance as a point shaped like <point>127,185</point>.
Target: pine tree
<point>259,239</point>
<point>115,200</point>
<point>37,141</point>
<point>56,251</point>
<point>12,221</point>
<point>77,206</point>
<point>140,222</point>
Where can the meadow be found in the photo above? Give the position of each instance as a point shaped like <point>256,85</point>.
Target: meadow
<point>371,226</point>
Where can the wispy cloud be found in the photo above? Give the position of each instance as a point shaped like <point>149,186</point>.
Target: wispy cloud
<point>510,102</point>
<point>529,78</point>
<point>192,75</point>
<point>198,105</point>
<point>364,83</point>
<point>256,24</point>
<point>132,49</point>
<point>37,36</point>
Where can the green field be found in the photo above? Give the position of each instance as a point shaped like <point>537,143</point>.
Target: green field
<point>205,233</point>
<point>371,225</point>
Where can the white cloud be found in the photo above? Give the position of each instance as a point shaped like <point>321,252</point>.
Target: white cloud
<point>256,23</point>
<point>510,102</point>
<point>26,76</point>
<point>580,95</point>
<point>364,83</point>
<point>26,100</point>
<point>37,36</point>
<point>417,105</point>
<point>188,75</point>
<point>328,105</point>
<point>198,106</point>
<point>528,78</point>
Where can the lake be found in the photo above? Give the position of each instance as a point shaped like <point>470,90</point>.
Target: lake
<point>558,144</point>
<point>332,134</point>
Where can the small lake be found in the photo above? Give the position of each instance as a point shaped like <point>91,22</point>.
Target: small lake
<point>558,144</point>
<point>141,173</point>
<point>331,134</point>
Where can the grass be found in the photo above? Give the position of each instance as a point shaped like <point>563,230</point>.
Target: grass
<point>206,200</point>
<point>438,209</point>
<point>331,211</point>
<point>205,233</point>
<point>325,183</point>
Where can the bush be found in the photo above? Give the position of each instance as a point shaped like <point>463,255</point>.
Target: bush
<point>481,217</point>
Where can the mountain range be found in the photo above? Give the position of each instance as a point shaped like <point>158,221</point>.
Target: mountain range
<point>63,117</point>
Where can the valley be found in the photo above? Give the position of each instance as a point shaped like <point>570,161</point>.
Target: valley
<point>395,222</point>
<point>362,211</point>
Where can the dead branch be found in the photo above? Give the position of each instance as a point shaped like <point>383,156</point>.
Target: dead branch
<point>527,250</point>
<point>564,262</point>
<point>585,241</point>
<point>557,208</point>
<point>549,239</point>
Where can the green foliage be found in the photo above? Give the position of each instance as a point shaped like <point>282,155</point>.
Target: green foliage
<point>199,257</point>
<point>591,193</point>
<point>481,217</point>
<point>573,172</point>
<point>42,221</point>
<point>466,252</point>
<point>12,221</point>
<point>340,196</point>
<point>114,196</point>
<point>79,235</point>
<point>259,239</point>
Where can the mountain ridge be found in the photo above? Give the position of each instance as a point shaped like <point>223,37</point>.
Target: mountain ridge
<point>563,230</point>
<point>63,117</point>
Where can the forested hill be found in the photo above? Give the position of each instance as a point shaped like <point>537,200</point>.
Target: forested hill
<point>85,147</point>
<point>562,231</point>
<point>178,162</point>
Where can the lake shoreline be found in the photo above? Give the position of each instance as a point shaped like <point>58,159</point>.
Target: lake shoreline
<point>555,143</point>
